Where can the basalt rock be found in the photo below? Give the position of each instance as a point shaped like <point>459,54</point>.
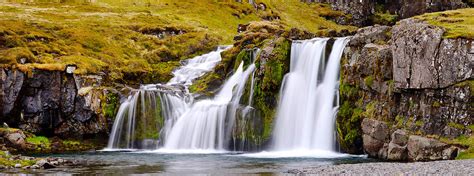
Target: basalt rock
<point>55,103</point>
<point>411,78</point>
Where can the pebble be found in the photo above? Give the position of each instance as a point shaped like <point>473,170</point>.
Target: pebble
<point>17,165</point>
<point>452,167</point>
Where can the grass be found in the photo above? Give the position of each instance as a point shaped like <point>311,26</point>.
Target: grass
<point>123,39</point>
<point>458,23</point>
<point>465,141</point>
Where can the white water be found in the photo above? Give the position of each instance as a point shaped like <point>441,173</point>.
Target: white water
<point>305,117</point>
<point>144,103</point>
<point>208,123</point>
<point>188,126</point>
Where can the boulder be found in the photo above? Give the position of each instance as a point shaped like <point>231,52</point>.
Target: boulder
<point>372,146</point>
<point>376,129</point>
<point>375,134</point>
<point>16,139</point>
<point>397,152</point>
<point>399,137</point>
<point>426,149</point>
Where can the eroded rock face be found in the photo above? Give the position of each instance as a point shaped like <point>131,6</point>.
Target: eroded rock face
<point>412,78</point>
<point>52,103</point>
<point>423,59</point>
<point>11,83</point>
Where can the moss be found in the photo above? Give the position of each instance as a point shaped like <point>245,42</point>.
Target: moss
<point>110,105</point>
<point>371,110</point>
<point>349,118</point>
<point>122,38</point>
<point>458,23</point>
<point>467,142</point>
<point>369,81</point>
<point>436,104</point>
<point>419,123</point>
<point>384,18</point>
<point>38,140</point>
<point>456,125</point>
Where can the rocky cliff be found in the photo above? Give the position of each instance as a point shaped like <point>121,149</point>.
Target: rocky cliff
<point>401,83</point>
<point>54,103</point>
<point>365,12</point>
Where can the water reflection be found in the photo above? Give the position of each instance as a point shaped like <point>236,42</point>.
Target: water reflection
<point>125,163</point>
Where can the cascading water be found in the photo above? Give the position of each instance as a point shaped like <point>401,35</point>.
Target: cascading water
<point>305,117</point>
<point>184,124</point>
<point>207,125</point>
<point>149,113</point>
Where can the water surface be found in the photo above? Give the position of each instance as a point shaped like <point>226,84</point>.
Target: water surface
<point>160,162</point>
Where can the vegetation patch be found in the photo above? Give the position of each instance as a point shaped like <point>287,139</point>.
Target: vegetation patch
<point>458,23</point>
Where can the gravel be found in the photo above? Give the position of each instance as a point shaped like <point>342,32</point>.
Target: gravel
<point>453,167</point>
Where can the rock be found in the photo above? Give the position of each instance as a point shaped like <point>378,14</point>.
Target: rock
<point>414,47</point>
<point>397,152</point>
<point>17,165</point>
<point>423,59</point>
<point>371,34</point>
<point>376,129</point>
<point>35,166</point>
<point>425,149</point>
<point>409,8</point>
<point>11,83</point>
<point>17,139</point>
<point>450,153</point>
<point>399,137</point>
<point>372,146</point>
<point>54,163</point>
<point>375,133</point>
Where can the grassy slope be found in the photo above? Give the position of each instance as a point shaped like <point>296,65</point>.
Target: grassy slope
<point>109,36</point>
<point>458,23</point>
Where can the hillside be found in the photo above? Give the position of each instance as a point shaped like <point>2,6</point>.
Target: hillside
<point>127,40</point>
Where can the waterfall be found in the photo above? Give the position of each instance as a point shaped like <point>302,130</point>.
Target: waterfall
<point>166,116</point>
<point>306,112</point>
<point>146,118</point>
<point>207,125</point>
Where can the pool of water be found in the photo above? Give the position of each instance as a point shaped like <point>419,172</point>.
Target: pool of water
<point>146,162</point>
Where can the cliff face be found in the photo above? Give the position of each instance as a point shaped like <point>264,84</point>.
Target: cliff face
<point>409,78</point>
<point>55,103</point>
<point>362,11</point>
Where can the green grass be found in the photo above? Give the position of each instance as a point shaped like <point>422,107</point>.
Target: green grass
<point>466,141</point>
<point>117,37</point>
<point>458,23</point>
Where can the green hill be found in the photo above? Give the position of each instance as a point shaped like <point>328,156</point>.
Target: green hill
<point>126,40</point>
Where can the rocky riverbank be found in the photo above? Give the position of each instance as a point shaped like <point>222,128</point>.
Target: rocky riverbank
<point>458,167</point>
